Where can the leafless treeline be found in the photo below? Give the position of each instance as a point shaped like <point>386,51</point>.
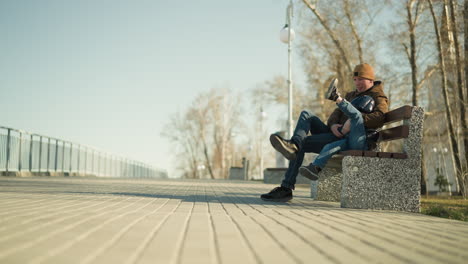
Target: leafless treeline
<point>416,47</point>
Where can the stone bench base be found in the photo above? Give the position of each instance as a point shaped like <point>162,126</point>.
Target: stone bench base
<point>393,184</point>
<point>328,186</point>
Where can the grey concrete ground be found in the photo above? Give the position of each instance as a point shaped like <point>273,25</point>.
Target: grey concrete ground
<point>90,220</point>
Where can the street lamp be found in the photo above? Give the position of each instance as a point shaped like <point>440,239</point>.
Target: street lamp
<point>287,35</point>
<point>200,169</point>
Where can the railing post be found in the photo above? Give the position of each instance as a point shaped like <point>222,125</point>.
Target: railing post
<point>111,169</point>
<point>98,164</point>
<point>19,150</point>
<point>48,154</point>
<point>7,162</point>
<point>56,155</point>
<point>40,153</point>
<point>135,169</point>
<point>63,156</point>
<point>30,153</point>
<point>92,162</point>
<point>71,156</point>
<point>78,161</point>
<point>86,160</point>
<point>117,167</point>
<point>120,168</point>
<point>105,164</point>
<point>125,172</point>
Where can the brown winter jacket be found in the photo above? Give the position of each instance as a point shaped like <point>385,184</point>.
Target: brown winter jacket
<point>372,120</point>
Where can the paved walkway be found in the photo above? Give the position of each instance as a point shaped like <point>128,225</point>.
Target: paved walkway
<point>89,220</point>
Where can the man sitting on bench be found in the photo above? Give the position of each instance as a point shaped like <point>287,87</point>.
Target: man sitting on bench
<point>338,128</point>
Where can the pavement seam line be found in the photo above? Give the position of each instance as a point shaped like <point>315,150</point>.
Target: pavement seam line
<point>40,214</point>
<point>39,239</point>
<point>5,238</point>
<point>82,236</point>
<point>119,235</point>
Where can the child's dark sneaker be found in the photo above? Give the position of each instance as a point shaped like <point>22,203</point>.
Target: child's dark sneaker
<point>332,93</point>
<point>310,172</point>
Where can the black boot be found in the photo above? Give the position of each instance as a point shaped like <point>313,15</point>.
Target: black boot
<point>278,194</point>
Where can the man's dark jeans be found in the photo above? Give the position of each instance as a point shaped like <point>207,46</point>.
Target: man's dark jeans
<point>321,136</point>
<point>323,141</point>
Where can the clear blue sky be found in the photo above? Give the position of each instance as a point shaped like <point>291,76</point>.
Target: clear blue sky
<point>109,73</point>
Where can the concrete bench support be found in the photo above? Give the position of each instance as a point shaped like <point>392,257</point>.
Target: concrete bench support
<point>329,184</point>
<point>378,183</point>
<point>386,183</point>
<point>375,182</point>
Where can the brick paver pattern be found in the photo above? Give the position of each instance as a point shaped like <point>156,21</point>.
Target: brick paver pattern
<point>96,220</point>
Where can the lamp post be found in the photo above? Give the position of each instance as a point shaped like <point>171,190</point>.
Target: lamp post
<point>287,35</point>
<point>200,169</point>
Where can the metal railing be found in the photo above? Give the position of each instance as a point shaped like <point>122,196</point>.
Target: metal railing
<point>24,151</point>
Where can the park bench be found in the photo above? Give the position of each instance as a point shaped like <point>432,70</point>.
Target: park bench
<point>376,179</point>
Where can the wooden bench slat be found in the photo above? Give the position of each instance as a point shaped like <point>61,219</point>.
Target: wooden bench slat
<point>394,133</point>
<point>370,154</point>
<point>399,155</point>
<point>384,155</point>
<point>361,153</point>
<point>351,153</point>
<point>398,114</point>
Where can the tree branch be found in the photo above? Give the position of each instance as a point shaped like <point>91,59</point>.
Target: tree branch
<point>353,29</point>
<point>331,34</point>
<point>427,75</point>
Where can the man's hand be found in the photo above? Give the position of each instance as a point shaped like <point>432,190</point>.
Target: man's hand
<point>334,129</point>
<point>346,127</point>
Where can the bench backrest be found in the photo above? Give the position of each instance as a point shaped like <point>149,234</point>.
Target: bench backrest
<point>398,132</point>
<point>410,131</point>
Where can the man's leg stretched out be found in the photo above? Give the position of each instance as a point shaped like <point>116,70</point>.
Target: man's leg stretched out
<point>294,150</point>
<point>354,139</point>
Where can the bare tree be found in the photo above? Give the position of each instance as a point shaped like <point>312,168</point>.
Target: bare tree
<point>333,45</point>
<point>197,114</point>
<point>273,92</point>
<point>331,33</point>
<point>452,142</point>
<point>414,10</point>
<point>203,133</point>
<point>465,19</point>
<point>225,116</point>
<point>356,36</point>
<point>462,94</point>
<point>186,147</point>
<point>412,20</point>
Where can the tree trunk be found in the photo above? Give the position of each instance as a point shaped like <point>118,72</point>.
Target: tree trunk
<point>412,22</point>
<point>465,17</point>
<point>412,54</point>
<point>193,160</point>
<point>207,159</point>
<point>448,110</point>
<point>459,67</point>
